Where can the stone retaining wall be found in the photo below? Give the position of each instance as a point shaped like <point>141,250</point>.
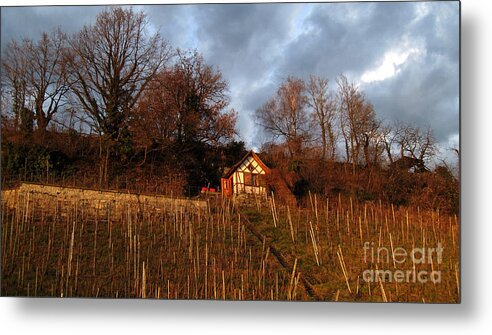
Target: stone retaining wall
<point>97,199</point>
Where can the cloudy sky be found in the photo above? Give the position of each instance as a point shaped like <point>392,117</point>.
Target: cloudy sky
<point>405,56</point>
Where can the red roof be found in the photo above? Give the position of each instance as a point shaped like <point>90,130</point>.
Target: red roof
<point>255,157</point>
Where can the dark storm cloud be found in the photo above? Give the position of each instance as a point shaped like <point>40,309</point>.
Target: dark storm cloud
<point>21,22</point>
<point>426,89</point>
<point>244,41</point>
<point>426,94</point>
<point>257,45</point>
<point>345,38</point>
<point>173,22</point>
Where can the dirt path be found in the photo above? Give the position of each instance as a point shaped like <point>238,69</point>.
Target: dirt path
<point>282,260</point>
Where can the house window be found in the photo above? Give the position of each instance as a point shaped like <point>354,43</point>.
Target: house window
<point>253,179</point>
<point>247,178</point>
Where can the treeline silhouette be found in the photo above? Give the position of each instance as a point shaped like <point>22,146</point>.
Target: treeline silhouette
<point>329,141</point>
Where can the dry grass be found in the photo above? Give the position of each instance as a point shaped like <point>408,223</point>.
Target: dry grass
<point>335,241</point>
<point>71,249</point>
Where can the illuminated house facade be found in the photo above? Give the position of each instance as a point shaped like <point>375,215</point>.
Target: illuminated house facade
<point>246,177</point>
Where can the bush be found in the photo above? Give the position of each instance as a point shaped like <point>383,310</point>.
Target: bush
<point>33,162</point>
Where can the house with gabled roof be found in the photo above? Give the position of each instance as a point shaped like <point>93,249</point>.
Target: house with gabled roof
<point>248,176</point>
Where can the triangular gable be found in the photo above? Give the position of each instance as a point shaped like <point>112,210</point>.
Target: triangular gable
<point>238,164</point>
<point>260,162</point>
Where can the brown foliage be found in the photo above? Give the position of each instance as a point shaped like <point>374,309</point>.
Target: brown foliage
<point>185,104</point>
<point>400,186</point>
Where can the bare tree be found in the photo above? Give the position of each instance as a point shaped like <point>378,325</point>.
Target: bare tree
<point>347,96</point>
<point>47,76</point>
<point>395,137</point>
<point>109,65</point>
<point>357,120</point>
<point>390,135</point>
<point>324,111</point>
<point>284,115</point>
<point>35,73</point>
<point>14,81</point>
<point>372,142</point>
<point>419,144</point>
<point>414,147</point>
